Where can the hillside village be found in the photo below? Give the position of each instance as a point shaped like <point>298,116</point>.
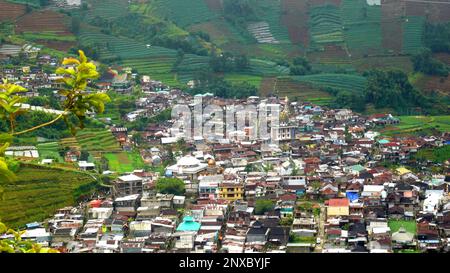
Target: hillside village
<point>338,182</point>
<point>333,185</point>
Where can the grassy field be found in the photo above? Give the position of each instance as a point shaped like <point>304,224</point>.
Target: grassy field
<point>39,192</point>
<point>395,225</point>
<point>416,124</point>
<point>49,150</point>
<point>124,161</point>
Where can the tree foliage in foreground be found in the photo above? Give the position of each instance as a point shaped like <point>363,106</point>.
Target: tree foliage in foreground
<point>76,74</point>
<point>15,243</point>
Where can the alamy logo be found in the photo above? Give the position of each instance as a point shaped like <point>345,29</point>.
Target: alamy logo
<point>248,122</point>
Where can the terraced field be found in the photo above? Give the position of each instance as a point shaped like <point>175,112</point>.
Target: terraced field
<point>414,124</point>
<point>107,9</point>
<point>330,55</point>
<point>435,11</point>
<point>39,192</point>
<point>189,66</point>
<point>97,141</point>
<point>413,28</point>
<point>214,5</point>
<point>43,21</point>
<point>391,25</point>
<point>286,86</point>
<point>69,142</point>
<point>267,86</point>
<point>154,61</point>
<point>325,25</point>
<point>347,82</point>
<point>221,32</point>
<point>266,68</point>
<point>392,62</point>
<point>362,26</point>
<point>294,15</point>
<point>49,150</point>
<point>122,47</point>
<point>241,78</point>
<point>261,32</point>
<point>185,13</point>
<point>10,11</point>
<point>31,3</point>
<point>272,15</point>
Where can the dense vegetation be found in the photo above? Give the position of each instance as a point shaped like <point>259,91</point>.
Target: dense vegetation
<point>437,155</point>
<point>425,63</point>
<point>262,206</point>
<point>170,185</point>
<point>392,89</point>
<point>437,37</point>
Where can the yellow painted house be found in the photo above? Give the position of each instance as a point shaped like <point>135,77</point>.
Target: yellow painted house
<point>231,191</point>
<point>338,207</point>
<point>402,171</point>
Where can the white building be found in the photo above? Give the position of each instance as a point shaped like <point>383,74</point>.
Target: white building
<point>188,166</point>
<point>433,200</point>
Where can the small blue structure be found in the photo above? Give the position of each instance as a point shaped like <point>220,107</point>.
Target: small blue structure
<point>169,173</point>
<point>352,196</point>
<point>188,224</point>
<point>33,225</point>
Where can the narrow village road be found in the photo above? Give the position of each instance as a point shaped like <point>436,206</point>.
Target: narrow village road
<point>321,232</point>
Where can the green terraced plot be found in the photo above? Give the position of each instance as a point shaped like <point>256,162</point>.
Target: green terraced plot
<point>345,82</point>
<point>124,162</point>
<point>413,28</point>
<point>48,35</point>
<point>362,26</point>
<point>155,61</point>
<point>189,66</point>
<point>272,15</point>
<point>108,9</point>
<point>49,150</point>
<point>414,124</point>
<point>266,68</point>
<point>185,13</point>
<point>39,192</point>
<point>123,47</point>
<point>97,141</point>
<point>325,25</point>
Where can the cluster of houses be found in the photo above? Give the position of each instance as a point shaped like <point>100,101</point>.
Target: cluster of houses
<point>327,183</point>
<point>333,184</point>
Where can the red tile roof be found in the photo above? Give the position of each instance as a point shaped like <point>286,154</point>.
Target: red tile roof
<point>338,202</point>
